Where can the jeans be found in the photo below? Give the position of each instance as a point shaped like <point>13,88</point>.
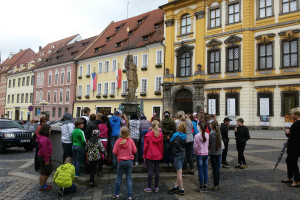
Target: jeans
<point>167,152</point>
<point>78,153</point>
<point>224,154</point>
<point>202,162</point>
<point>142,135</point>
<point>153,166</point>
<point>292,167</point>
<point>241,148</point>
<point>124,167</point>
<point>215,163</point>
<point>67,149</point>
<point>189,156</point>
<point>71,189</point>
<point>113,140</point>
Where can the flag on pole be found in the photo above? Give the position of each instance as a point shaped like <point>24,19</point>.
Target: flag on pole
<point>94,81</point>
<point>119,78</point>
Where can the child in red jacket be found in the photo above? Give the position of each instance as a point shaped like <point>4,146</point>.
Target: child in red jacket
<point>153,153</point>
<point>124,150</point>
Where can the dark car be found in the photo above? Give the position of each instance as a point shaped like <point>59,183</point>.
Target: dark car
<point>12,135</point>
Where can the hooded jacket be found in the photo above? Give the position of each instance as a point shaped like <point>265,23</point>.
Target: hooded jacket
<point>153,146</point>
<point>64,175</point>
<point>67,128</point>
<point>168,127</point>
<point>200,147</point>
<point>134,128</point>
<point>90,126</point>
<point>45,147</point>
<point>124,149</point>
<point>178,143</point>
<point>189,127</point>
<point>115,125</point>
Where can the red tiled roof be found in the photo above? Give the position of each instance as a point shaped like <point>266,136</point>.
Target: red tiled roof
<point>23,57</point>
<point>107,42</point>
<point>66,53</point>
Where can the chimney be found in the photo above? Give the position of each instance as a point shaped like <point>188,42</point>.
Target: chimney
<point>11,54</point>
<point>40,48</point>
<point>20,50</point>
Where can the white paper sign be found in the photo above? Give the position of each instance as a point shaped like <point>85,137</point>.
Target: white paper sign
<point>231,107</point>
<point>212,106</point>
<point>264,106</point>
<point>233,121</point>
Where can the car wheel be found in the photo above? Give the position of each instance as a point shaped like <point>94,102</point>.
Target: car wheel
<point>29,147</point>
<point>2,147</point>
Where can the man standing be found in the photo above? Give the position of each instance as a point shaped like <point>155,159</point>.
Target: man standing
<point>85,117</point>
<point>115,125</point>
<point>241,137</point>
<point>224,132</point>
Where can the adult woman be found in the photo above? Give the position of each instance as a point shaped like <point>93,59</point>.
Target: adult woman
<point>134,127</point>
<point>293,150</point>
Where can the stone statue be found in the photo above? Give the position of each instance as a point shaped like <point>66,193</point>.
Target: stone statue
<point>132,78</point>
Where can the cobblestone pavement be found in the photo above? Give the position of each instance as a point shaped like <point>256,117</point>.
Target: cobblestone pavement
<point>18,180</point>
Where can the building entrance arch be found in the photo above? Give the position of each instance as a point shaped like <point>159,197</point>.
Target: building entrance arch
<point>184,101</point>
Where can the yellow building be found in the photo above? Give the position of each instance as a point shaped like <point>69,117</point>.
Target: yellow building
<point>19,95</point>
<point>140,36</point>
<point>237,58</point>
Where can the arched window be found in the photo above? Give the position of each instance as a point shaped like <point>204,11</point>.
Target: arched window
<point>186,24</point>
<point>62,76</point>
<point>69,75</point>
<point>38,77</point>
<point>56,77</point>
<point>42,79</point>
<point>49,78</point>
<point>185,64</point>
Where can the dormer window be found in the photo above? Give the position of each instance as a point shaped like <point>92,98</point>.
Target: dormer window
<point>58,57</point>
<point>146,38</point>
<point>57,52</point>
<point>52,46</point>
<point>69,48</point>
<point>130,33</point>
<point>157,26</point>
<point>98,48</point>
<point>84,43</point>
<point>108,39</point>
<point>73,53</point>
<point>118,44</point>
<point>118,28</point>
<point>140,21</point>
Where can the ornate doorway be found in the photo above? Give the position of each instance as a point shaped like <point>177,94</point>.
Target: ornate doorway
<point>183,101</point>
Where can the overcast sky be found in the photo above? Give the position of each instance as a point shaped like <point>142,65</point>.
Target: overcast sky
<point>33,23</point>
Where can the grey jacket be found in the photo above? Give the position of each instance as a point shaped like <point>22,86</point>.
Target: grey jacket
<point>189,126</point>
<point>213,143</point>
<point>134,128</point>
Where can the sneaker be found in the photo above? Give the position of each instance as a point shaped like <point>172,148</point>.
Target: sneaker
<point>170,164</point>
<point>61,191</point>
<point>100,174</point>
<point>191,172</point>
<point>243,166</point>
<point>47,187</point>
<point>148,190</point>
<point>215,188</point>
<point>237,165</point>
<point>181,192</point>
<point>205,188</point>
<point>165,165</point>
<point>225,166</point>
<point>173,190</point>
<point>136,163</point>
<point>116,197</point>
<point>200,189</point>
<point>156,190</point>
<point>77,175</point>
<point>129,198</point>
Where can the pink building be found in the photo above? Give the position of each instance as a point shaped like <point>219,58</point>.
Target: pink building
<point>55,83</point>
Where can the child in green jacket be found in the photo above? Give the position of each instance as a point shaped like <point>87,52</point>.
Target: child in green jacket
<point>64,177</point>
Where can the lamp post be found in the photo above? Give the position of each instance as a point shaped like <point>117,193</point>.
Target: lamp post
<point>43,103</point>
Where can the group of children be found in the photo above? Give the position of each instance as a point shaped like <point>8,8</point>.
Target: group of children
<point>206,143</point>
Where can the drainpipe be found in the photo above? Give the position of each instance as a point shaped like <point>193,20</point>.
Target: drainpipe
<point>162,43</point>
<point>75,62</point>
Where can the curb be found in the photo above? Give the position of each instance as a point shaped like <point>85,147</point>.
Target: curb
<point>261,138</point>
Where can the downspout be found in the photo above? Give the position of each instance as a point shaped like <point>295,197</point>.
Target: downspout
<point>75,62</point>
<point>162,43</point>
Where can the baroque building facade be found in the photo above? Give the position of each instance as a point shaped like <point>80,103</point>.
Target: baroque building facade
<point>237,58</point>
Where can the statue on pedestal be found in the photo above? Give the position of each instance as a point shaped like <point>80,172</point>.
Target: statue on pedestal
<point>132,79</point>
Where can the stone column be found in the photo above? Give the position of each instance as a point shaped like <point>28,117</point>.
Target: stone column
<point>167,99</point>
<point>198,99</point>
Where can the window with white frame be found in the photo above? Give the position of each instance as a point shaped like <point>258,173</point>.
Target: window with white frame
<point>159,57</point>
<point>106,66</point>
<point>37,97</point>
<point>100,67</point>
<point>99,86</point>
<point>80,71</point>
<point>113,88</point>
<point>61,96</point>
<point>69,75</point>
<point>55,97</point>
<point>49,96</point>
<point>42,79</point>
<point>135,60</point>
<point>289,6</point>
<point>41,96</point>
<point>67,95</point>
<point>79,90</point>
<point>233,13</point>
<point>56,77</point>
<point>62,76</point>
<point>124,63</point>
<point>106,88</point>
<point>114,65</point>
<point>88,90</point>
<point>124,86</point>
<point>265,8</point>
<point>215,17</point>
<point>144,85</point>
<point>88,69</point>
<point>49,78</point>
<point>158,81</point>
<point>145,60</point>
<point>38,80</point>
<point>186,24</point>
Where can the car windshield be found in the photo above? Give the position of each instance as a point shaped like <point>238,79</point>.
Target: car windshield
<point>9,124</point>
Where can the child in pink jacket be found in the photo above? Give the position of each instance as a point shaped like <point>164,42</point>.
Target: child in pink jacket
<point>124,150</point>
<point>153,153</point>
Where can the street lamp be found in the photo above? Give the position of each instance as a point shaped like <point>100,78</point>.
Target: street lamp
<point>44,103</point>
